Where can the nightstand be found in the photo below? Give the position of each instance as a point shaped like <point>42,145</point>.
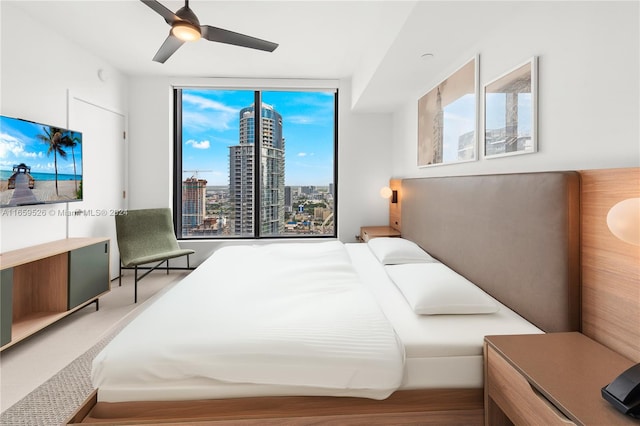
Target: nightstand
<point>550,379</point>
<point>368,232</point>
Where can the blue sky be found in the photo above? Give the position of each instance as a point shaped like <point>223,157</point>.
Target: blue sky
<point>19,144</point>
<point>210,125</point>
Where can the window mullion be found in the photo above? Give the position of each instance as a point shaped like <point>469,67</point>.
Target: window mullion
<point>257,163</point>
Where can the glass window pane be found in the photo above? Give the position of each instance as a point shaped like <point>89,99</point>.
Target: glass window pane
<point>217,163</point>
<point>297,166</point>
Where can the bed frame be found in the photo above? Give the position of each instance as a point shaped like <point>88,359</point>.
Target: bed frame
<point>515,235</point>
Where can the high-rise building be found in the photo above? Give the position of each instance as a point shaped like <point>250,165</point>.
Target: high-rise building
<point>194,210</point>
<point>288,198</point>
<point>241,169</point>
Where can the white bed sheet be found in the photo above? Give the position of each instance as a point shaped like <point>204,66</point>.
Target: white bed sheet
<point>278,319</point>
<point>442,351</point>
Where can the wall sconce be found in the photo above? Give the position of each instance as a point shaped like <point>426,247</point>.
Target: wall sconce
<point>387,192</point>
<point>623,220</point>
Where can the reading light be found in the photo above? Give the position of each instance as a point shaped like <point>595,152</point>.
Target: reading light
<point>185,31</point>
<point>387,192</point>
<point>623,220</point>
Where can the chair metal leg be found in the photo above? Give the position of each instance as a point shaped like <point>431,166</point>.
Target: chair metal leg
<point>147,271</point>
<point>120,272</point>
<point>135,291</point>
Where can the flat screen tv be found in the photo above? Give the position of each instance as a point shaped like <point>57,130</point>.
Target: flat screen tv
<point>39,163</point>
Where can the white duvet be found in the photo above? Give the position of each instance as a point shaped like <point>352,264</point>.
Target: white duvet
<point>293,318</point>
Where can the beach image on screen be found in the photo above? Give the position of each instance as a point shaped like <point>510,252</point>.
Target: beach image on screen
<point>39,163</point>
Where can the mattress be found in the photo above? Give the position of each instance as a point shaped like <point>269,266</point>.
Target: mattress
<point>276,319</point>
<point>442,351</point>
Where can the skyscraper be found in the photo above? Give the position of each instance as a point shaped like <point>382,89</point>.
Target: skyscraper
<point>241,169</point>
<point>194,192</point>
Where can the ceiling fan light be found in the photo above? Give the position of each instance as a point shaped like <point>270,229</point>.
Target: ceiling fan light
<point>185,31</point>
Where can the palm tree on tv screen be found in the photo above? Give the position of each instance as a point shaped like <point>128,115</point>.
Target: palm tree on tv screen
<point>53,137</point>
<point>71,140</point>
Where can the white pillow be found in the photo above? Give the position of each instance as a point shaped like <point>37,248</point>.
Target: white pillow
<point>393,251</point>
<point>434,288</point>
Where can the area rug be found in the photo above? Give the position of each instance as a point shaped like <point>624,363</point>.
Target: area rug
<point>53,402</point>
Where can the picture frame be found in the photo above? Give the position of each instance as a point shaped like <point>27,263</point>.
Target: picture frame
<point>511,112</point>
<point>448,118</point>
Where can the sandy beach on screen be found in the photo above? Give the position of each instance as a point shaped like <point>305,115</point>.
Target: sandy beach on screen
<point>45,191</point>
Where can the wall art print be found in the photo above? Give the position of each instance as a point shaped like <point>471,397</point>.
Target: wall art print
<point>447,119</point>
<point>510,112</point>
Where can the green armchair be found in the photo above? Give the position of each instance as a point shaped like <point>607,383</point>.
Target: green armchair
<point>146,236</point>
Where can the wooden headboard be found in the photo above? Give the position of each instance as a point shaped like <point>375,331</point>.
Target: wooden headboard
<point>610,267</point>
<point>517,236</point>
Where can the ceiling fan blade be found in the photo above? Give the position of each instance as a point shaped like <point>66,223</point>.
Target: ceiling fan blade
<point>229,37</point>
<point>168,48</point>
<point>168,15</point>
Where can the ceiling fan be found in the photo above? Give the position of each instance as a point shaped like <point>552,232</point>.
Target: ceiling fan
<point>186,27</point>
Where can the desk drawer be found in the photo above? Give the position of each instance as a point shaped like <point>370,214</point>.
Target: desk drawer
<point>515,396</point>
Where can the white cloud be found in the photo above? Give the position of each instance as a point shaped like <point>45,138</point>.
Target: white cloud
<point>10,144</point>
<point>198,145</point>
<point>206,103</point>
<point>203,121</point>
<point>300,119</point>
<point>200,113</point>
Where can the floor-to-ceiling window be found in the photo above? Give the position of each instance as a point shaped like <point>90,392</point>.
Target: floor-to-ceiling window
<point>243,171</point>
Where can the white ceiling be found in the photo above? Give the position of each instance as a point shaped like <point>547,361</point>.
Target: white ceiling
<point>378,43</point>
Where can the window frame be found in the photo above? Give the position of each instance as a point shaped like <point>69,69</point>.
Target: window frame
<point>257,145</point>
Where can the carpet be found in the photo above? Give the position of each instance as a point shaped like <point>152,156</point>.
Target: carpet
<point>53,402</point>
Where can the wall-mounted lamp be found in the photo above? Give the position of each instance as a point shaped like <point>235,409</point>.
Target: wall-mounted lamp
<point>623,220</point>
<point>623,393</point>
<point>387,192</point>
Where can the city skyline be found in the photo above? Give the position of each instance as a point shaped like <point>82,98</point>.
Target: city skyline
<point>211,126</point>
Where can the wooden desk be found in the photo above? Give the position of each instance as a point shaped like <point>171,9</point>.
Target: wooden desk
<point>551,379</point>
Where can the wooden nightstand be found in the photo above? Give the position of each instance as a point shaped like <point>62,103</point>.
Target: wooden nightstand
<point>368,232</point>
<point>550,379</point>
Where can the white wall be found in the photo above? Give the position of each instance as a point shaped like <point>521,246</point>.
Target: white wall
<point>363,163</point>
<point>589,84</point>
<point>364,168</point>
<point>150,143</point>
<point>38,68</point>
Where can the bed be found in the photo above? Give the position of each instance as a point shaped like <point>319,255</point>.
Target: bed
<point>276,319</point>
<point>365,349</point>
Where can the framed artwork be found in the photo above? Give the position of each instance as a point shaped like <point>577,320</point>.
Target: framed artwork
<point>447,119</point>
<point>510,112</point>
